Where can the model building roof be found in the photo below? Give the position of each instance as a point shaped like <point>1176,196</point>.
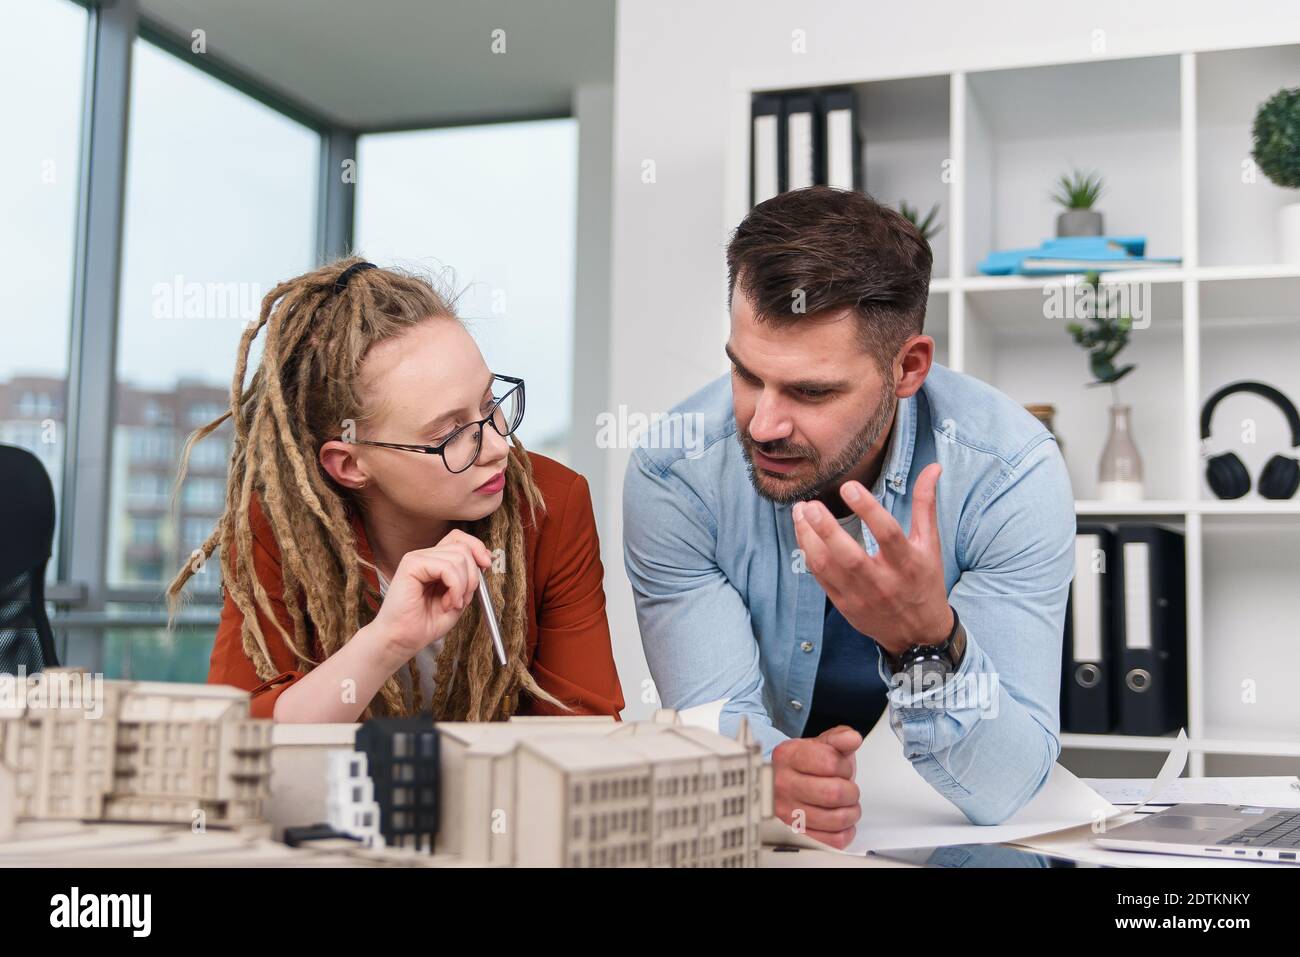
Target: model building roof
<point>663,747</point>
<point>715,743</point>
<point>155,701</point>
<point>584,753</point>
<point>492,734</point>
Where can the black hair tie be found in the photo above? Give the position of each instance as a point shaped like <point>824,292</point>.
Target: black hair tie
<point>341,283</point>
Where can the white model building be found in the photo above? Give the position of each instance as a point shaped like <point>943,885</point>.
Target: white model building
<point>351,804</point>
<point>564,792</point>
<point>546,792</point>
<point>139,751</point>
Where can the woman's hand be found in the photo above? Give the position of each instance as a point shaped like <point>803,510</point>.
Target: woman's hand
<point>429,590</point>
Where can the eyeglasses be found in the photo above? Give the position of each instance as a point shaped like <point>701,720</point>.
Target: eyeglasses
<point>461,449</point>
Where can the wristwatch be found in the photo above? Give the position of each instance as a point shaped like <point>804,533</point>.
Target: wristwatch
<point>941,659</point>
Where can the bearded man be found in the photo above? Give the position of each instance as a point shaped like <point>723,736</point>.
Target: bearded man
<point>861,530</point>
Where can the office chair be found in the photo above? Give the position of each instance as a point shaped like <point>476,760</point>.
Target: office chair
<point>27,527</point>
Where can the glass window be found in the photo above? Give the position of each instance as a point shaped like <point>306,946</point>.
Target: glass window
<point>220,205</point>
<point>144,531</point>
<point>203,495</point>
<point>491,212</point>
<point>154,654</point>
<point>43,49</point>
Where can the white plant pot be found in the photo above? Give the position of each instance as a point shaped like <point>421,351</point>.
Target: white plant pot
<point>1288,233</point>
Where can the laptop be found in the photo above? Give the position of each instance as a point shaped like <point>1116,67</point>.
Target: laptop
<point>1240,831</point>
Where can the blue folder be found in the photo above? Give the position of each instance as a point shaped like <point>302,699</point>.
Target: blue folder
<point>1084,248</point>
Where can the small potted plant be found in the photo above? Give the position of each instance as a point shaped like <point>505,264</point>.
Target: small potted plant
<point>1119,473</point>
<point>1078,192</point>
<point>1277,153</point>
<point>927,227</point>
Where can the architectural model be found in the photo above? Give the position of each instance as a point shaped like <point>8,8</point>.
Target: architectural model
<point>577,792</point>
<point>131,751</point>
<point>539,792</point>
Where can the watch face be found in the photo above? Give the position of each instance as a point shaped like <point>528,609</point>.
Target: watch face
<point>919,675</point>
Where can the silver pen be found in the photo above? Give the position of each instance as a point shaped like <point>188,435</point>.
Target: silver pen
<point>485,599</point>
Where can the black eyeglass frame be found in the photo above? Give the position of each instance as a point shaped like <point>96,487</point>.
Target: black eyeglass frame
<point>516,385</point>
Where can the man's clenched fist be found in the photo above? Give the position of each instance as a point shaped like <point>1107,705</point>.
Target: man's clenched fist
<point>814,786</point>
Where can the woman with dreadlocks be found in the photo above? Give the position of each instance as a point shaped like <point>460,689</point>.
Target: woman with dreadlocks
<point>371,482</point>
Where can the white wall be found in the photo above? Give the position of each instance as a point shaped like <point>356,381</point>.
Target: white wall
<point>680,66</point>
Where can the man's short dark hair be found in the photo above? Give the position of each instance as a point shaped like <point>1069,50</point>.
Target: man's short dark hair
<point>841,250</point>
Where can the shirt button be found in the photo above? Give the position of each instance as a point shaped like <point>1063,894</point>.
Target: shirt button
<point>797,705</point>
<point>806,646</point>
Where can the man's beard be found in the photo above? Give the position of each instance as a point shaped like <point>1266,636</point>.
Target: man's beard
<point>824,475</point>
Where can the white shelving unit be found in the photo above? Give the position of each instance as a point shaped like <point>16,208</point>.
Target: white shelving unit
<point>1171,136</point>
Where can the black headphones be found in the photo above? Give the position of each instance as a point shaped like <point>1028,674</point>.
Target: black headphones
<point>1226,474</point>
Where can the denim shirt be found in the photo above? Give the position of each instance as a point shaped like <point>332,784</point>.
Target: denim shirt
<point>728,610</point>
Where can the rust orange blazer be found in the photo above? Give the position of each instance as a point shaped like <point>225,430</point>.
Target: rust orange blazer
<point>569,651</point>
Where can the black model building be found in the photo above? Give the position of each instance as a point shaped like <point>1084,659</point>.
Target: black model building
<point>402,754</point>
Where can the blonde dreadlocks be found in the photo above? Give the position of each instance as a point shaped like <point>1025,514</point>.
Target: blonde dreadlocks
<point>303,390</point>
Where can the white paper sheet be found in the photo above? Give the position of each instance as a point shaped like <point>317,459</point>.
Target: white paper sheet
<point>900,809</point>
<point>704,715</point>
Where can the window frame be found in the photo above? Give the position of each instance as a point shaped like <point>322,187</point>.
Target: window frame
<point>81,595</point>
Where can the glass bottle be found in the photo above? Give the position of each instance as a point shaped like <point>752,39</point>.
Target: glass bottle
<point>1119,474</point>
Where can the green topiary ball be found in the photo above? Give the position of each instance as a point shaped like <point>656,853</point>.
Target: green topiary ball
<point>1277,138</point>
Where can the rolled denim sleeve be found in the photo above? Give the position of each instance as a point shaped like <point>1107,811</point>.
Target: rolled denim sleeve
<point>695,627</point>
<point>988,740</point>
